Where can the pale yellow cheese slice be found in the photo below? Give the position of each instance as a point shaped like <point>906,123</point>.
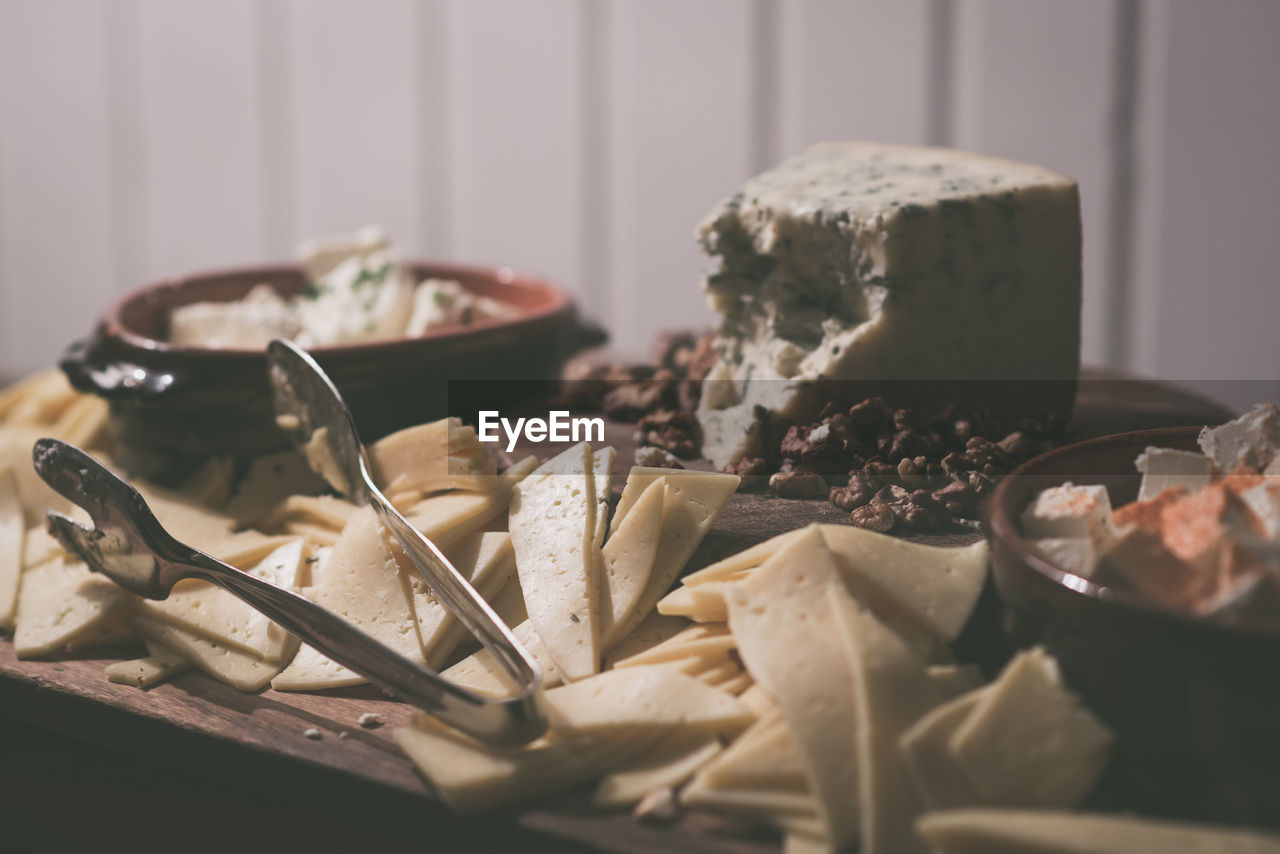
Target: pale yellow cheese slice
<point>737,684</point>
<point>433,457</point>
<point>61,602</point>
<point>747,559</point>
<point>703,603</point>
<point>38,399</point>
<point>270,480</point>
<point>160,664</point>
<point>39,545</point>
<point>12,538</point>
<point>764,756</point>
<point>629,554</point>
<point>941,782</point>
<point>952,680</point>
<point>325,510</point>
<point>981,831</point>
<point>891,690</point>
<point>701,641</point>
<point>553,529</point>
<point>33,493</point>
<point>471,777</point>
<point>781,608</point>
<point>644,697</point>
<point>719,673</point>
<point>937,587</point>
<point>691,504</point>
<point>669,762</point>
<point>764,803</point>
<point>484,558</point>
<point>448,517</point>
<point>359,582</point>
<point>190,523</point>
<point>211,612</point>
<point>653,630</point>
<point>758,700</point>
<point>1030,741</point>
<point>482,673</point>
<point>83,423</point>
<point>238,669</point>
<point>212,483</point>
<point>245,549</point>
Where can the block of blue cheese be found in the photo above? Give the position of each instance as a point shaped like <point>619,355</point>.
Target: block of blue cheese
<point>863,261</point>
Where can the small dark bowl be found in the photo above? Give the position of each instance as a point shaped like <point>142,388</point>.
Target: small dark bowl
<point>172,406</point>
<point>1195,703</point>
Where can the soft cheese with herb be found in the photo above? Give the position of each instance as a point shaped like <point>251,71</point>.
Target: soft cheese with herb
<point>886,262</point>
<point>357,291</point>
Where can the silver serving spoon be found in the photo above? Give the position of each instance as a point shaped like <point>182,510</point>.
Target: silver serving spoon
<point>311,412</point>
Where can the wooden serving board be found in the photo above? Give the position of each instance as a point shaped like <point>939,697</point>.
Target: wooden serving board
<point>254,748</point>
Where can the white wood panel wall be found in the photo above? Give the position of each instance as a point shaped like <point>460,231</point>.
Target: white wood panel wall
<point>585,139</point>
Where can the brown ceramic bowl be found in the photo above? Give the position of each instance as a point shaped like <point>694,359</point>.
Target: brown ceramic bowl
<point>1195,703</point>
<point>173,406</point>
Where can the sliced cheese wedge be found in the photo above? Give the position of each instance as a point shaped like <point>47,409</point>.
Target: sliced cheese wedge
<point>703,641</point>
<point>669,762</point>
<point>980,831</point>
<point>213,613</point>
<point>160,664</point>
<point>485,559</point>
<point>212,483</point>
<point>766,804</point>
<point>270,480</point>
<point>359,582</point>
<point>449,517</point>
<point>653,630</point>
<point>764,756</point>
<point>629,554</point>
<point>61,603</point>
<point>472,777</point>
<point>736,564</point>
<point>941,782</point>
<point>644,697</point>
<point>39,546</point>
<point>783,607</point>
<point>1004,745</point>
<point>482,673</point>
<point>12,535</point>
<point>324,510</point>
<point>937,587</point>
<point>553,529</point>
<point>433,457</point>
<point>703,603</point>
<point>891,690</point>
<point>240,670</point>
<point>691,504</point>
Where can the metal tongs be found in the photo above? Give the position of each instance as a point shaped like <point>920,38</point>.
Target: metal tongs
<point>128,545</point>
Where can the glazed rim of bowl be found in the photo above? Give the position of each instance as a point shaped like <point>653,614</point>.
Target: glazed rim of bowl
<point>545,301</point>
<point>1002,524</point>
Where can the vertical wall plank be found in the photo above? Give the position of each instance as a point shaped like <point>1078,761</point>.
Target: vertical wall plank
<point>681,123</point>
<point>853,69</point>
<point>1035,82</point>
<point>202,128</point>
<point>517,135</point>
<point>56,262</point>
<point>355,96</point>
<point>1208,301</point>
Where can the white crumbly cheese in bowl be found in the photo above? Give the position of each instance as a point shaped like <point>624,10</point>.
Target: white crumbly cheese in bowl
<point>357,291</point>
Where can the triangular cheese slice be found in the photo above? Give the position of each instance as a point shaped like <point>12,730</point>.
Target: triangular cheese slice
<point>653,630</point>
<point>238,669</point>
<point>214,613</point>
<point>891,690</point>
<point>747,559</point>
<point>270,480</point>
<point>941,782</point>
<point>433,457</point>
<point>764,756</point>
<point>783,607</point>
<point>449,517</point>
<point>471,777</point>
<point>670,762</point>
<point>359,582</point>
<point>703,641</point>
<point>978,831</point>
<point>936,586</point>
<point>553,529</point>
<point>482,673</point>
<point>12,535</point>
<point>629,554</point>
<point>691,503</point>
<point>644,697</point>
<point>60,603</point>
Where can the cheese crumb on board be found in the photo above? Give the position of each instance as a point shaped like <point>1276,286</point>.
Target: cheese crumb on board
<point>312,733</point>
<point>371,720</point>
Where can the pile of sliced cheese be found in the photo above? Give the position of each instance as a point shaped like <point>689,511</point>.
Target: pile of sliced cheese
<point>805,684</point>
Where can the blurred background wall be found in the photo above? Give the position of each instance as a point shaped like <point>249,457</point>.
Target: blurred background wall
<point>585,139</point>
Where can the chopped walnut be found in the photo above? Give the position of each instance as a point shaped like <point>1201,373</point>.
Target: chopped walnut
<point>657,458</point>
<point>798,484</point>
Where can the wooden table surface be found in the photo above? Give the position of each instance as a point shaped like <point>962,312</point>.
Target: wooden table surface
<point>84,761</point>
